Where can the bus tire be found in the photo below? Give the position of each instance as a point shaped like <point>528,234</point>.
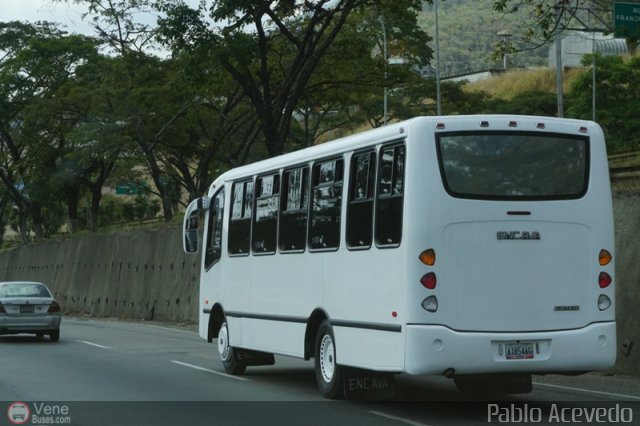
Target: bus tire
<point>228,354</point>
<point>329,375</point>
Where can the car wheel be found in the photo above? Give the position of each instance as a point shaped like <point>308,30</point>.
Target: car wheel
<point>55,335</point>
<point>328,373</point>
<point>228,354</point>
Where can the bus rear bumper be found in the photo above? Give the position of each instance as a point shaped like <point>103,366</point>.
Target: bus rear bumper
<point>432,349</point>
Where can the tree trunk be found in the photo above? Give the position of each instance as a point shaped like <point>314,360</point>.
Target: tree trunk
<point>38,220</point>
<point>94,211</point>
<point>73,199</point>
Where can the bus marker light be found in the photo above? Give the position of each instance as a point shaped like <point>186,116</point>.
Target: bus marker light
<point>540,125</point>
<point>583,129</point>
<point>394,314</point>
<point>429,280</point>
<point>513,123</point>
<point>604,280</point>
<point>428,257</point>
<point>604,257</point>
<point>430,304</point>
<point>484,124</point>
<point>206,301</point>
<point>439,125</point>
<point>603,302</point>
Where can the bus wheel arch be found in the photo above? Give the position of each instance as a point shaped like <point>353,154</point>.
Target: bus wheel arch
<point>313,325</point>
<point>216,319</point>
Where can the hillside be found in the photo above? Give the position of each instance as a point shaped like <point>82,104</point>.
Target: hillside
<point>468,33</point>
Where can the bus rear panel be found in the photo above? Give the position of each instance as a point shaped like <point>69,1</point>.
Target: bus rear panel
<point>518,213</point>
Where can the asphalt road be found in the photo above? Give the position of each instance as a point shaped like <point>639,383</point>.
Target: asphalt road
<point>120,373</point>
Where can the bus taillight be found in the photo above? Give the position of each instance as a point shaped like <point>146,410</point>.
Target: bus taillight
<point>604,302</point>
<point>428,257</point>
<point>430,304</point>
<point>604,257</point>
<point>604,280</point>
<point>429,280</point>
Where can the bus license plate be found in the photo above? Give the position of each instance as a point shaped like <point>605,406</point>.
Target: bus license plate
<point>27,309</point>
<point>519,350</point>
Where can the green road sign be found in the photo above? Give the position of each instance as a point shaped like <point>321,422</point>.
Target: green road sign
<point>626,19</point>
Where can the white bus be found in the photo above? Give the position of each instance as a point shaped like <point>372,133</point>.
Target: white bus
<point>475,247</point>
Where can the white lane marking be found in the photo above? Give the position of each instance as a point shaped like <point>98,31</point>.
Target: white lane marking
<point>617,395</point>
<point>398,419</point>
<point>168,328</point>
<point>94,344</point>
<point>195,367</point>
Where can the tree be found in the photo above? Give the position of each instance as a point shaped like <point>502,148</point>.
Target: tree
<point>618,100</point>
<point>38,60</point>
<point>270,48</point>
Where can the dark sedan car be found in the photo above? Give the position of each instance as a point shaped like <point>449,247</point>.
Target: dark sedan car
<point>29,307</point>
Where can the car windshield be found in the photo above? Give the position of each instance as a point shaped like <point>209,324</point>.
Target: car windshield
<point>24,290</point>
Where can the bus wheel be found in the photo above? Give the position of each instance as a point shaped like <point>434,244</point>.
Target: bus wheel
<point>328,373</point>
<point>228,354</point>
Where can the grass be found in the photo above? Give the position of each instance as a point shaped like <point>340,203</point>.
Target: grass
<point>511,83</point>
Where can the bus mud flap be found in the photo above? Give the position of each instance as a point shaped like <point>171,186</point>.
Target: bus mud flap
<point>254,358</point>
<point>366,385</point>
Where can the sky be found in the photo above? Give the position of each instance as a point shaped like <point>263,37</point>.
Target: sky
<point>70,15</point>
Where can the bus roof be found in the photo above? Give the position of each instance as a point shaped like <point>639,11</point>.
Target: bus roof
<point>384,134</point>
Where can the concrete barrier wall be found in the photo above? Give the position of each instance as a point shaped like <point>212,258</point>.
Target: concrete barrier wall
<point>140,274</point>
<point>626,209</point>
<point>144,274</point>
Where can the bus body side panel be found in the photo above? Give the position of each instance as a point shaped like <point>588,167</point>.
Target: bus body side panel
<point>362,293</point>
<point>284,291</point>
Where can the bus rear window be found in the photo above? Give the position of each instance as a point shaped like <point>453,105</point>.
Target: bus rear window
<point>513,166</point>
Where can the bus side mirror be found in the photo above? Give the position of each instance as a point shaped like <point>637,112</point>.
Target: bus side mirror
<point>190,224</point>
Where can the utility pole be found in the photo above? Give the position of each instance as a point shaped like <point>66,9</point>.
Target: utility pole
<point>438,96</point>
<point>559,66</point>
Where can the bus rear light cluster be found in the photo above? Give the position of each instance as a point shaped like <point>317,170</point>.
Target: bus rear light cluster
<point>604,279</point>
<point>429,280</point>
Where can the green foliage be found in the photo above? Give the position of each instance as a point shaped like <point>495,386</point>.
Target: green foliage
<point>617,100</point>
<point>526,103</point>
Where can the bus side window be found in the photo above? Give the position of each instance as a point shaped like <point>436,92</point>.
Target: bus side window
<point>265,221</point>
<point>390,195</point>
<point>214,230</point>
<point>240,218</point>
<point>324,225</point>
<point>360,207</point>
<point>294,209</point>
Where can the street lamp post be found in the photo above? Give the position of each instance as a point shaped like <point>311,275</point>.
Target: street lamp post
<point>504,34</point>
